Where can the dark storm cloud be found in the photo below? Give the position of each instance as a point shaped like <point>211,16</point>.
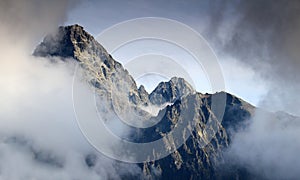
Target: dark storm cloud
<point>262,28</point>
<point>264,35</point>
<point>30,20</point>
<point>255,32</point>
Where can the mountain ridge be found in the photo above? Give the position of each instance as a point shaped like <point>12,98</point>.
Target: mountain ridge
<point>107,76</point>
<point>71,41</point>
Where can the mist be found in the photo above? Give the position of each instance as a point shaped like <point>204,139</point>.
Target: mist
<point>269,147</point>
<point>264,35</point>
<point>39,135</point>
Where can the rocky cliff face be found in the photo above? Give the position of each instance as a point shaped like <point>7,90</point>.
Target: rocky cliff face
<point>107,76</point>
<point>169,92</point>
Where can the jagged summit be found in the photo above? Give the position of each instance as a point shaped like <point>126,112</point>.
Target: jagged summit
<point>170,91</point>
<point>68,41</point>
<point>118,93</point>
<point>74,42</point>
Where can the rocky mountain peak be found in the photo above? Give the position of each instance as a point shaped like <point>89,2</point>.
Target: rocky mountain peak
<point>116,92</point>
<point>69,41</point>
<point>169,92</point>
<point>99,67</point>
<point>144,96</point>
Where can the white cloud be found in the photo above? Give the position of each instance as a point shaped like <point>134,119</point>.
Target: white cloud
<point>39,135</point>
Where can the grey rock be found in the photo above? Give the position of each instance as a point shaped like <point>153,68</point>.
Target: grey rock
<point>107,76</point>
<point>169,92</point>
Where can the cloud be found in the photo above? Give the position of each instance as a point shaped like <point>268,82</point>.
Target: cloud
<point>36,96</point>
<point>28,21</point>
<point>264,35</point>
<point>38,128</point>
<point>39,135</point>
<point>269,148</point>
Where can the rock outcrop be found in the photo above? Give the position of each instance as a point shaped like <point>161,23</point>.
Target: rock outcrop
<point>107,76</point>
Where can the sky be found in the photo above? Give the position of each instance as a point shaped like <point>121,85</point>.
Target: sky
<point>241,78</point>
<point>257,44</point>
<point>254,41</point>
<point>39,135</point>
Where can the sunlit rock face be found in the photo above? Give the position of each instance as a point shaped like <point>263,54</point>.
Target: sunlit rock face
<point>169,92</point>
<point>117,92</point>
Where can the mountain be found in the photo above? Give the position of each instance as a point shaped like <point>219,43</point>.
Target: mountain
<point>117,91</point>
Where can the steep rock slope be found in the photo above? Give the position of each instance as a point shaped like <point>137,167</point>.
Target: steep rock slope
<point>107,76</point>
